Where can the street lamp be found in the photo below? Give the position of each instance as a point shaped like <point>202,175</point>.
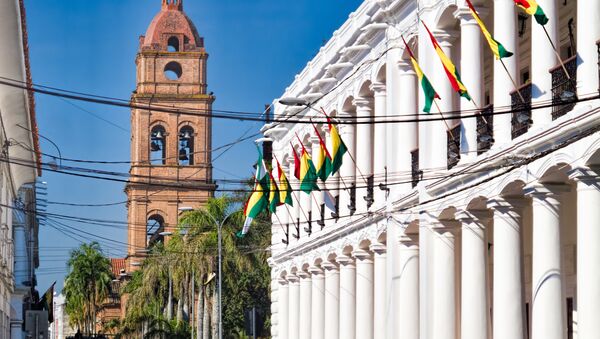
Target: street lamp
<point>290,101</point>
<point>220,259</point>
<point>52,164</point>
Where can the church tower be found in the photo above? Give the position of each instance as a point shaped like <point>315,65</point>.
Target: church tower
<point>171,166</point>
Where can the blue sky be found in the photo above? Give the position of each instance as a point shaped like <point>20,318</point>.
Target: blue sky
<point>256,48</point>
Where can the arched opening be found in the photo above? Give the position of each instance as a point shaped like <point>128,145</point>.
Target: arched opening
<point>186,146</point>
<point>173,44</point>
<point>173,71</point>
<point>154,227</point>
<point>158,151</point>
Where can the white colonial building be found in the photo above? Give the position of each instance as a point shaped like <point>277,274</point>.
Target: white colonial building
<point>18,143</point>
<point>473,227</point>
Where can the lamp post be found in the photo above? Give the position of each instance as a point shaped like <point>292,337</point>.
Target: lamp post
<point>220,281</point>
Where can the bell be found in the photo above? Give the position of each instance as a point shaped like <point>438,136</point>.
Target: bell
<point>186,135</point>
<point>183,155</point>
<point>158,135</point>
<point>154,146</point>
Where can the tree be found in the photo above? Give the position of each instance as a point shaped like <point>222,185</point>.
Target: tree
<point>87,285</point>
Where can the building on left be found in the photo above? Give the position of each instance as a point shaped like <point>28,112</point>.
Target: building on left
<point>19,256</point>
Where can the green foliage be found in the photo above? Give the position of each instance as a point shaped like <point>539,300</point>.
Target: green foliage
<point>87,285</point>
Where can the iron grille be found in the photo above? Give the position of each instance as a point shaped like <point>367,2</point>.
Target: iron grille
<point>321,222</point>
<point>485,129</point>
<point>598,45</point>
<point>370,198</point>
<point>414,158</point>
<point>564,89</point>
<point>521,108</point>
<point>308,228</point>
<point>453,146</point>
<point>352,206</point>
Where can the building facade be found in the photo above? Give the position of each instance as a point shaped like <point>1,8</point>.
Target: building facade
<point>479,220</point>
<point>171,158</point>
<point>18,140</point>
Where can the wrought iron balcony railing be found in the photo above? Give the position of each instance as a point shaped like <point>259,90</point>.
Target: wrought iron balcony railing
<point>453,146</point>
<point>564,88</point>
<point>415,172</point>
<point>485,129</point>
<point>521,108</point>
<point>598,45</point>
<point>352,206</point>
<point>370,197</point>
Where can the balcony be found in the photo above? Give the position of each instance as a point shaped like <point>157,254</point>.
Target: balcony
<point>521,108</point>
<point>453,146</point>
<point>598,45</point>
<point>564,89</point>
<point>414,159</point>
<point>485,129</point>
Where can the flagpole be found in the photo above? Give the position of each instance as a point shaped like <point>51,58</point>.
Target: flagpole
<point>281,225</point>
<point>556,52</point>
<point>443,119</point>
<point>513,81</point>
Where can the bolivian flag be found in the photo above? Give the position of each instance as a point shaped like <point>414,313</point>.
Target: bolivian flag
<point>338,148</point>
<point>296,163</point>
<point>308,173</point>
<point>497,48</point>
<point>532,8</point>
<point>449,67</point>
<point>285,190</point>
<point>428,90</point>
<point>258,201</point>
<point>273,194</point>
<point>323,167</point>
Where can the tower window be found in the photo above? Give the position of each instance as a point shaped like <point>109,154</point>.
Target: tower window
<point>158,151</point>
<point>154,226</point>
<point>186,146</point>
<point>173,44</point>
<point>173,71</point>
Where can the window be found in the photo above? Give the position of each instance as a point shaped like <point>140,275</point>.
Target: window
<point>154,227</point>
<point>173,44</point>
<point>158,151</point>
<point>173,71</point>
<point>186,146</point>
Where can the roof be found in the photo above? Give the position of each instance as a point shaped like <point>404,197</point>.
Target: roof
<point>116,265</point>
<point>171,20</point>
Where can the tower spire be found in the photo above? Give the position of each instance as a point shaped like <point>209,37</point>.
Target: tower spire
<point>172,4</point>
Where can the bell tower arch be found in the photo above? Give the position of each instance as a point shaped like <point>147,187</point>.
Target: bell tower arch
<point>170,150</point>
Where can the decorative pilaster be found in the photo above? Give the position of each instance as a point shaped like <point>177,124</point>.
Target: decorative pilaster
<point>364,152</point>
<point>588,32</point>
<point>305,305</point>
<point>318,303</point>
<point>348,169</point>
<point>364,294</point>
<point>547,278</point>
<point>294,309</point>
<point>408,300</point>
<point>588,251</point>
<point>508,301</point>
<point>405,140</point>
<point>332,299</point>
<point>347,329</point>
<point>380,292</point>
<point>380,161</point>
<point>283,308</point>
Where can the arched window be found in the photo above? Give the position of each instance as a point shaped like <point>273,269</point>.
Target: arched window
<point>155,226</point>
<point>186,146</point>
<point>158,151</point>
<point>173,44</point>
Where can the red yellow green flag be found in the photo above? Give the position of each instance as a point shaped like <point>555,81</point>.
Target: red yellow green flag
<point>338,148</point>
<point>497,48</point>
<point>258,201</point>
<point>532,8</point>
<point>296,163</point>
<point>308,173</point>
<point>449,67</point>
<point>428,90</point>
<point>324,165</point>
<point>285,190</point>
<point>273,194</point>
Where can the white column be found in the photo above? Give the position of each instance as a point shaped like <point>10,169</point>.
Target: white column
<point>588,252</point>
<point>405,133</point>
<point>474,304</point>
<point>318,303</point>
<point>542,59</point>
<point>364,151</point>
<point>348,169</point>
<point>295,210</point>
<point>588,32</point>
<point>471,72</point>
<point>332,299</point>
<point>364,294</point>
<point>347,329</point>
<point>305,305</point>
<point>548,313</point>
<point>379,149</point>
<point>380,304</point>
<point>444,281</point>
<point>508,301</point>
<point>283,307</point>
<point>316,198</point>
<point>408,301</point>
<point>294,309</point>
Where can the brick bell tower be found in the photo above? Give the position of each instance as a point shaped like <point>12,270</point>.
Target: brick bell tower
<point>171,166</point>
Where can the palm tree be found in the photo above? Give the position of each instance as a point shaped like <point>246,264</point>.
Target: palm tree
<point>87,285</point>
